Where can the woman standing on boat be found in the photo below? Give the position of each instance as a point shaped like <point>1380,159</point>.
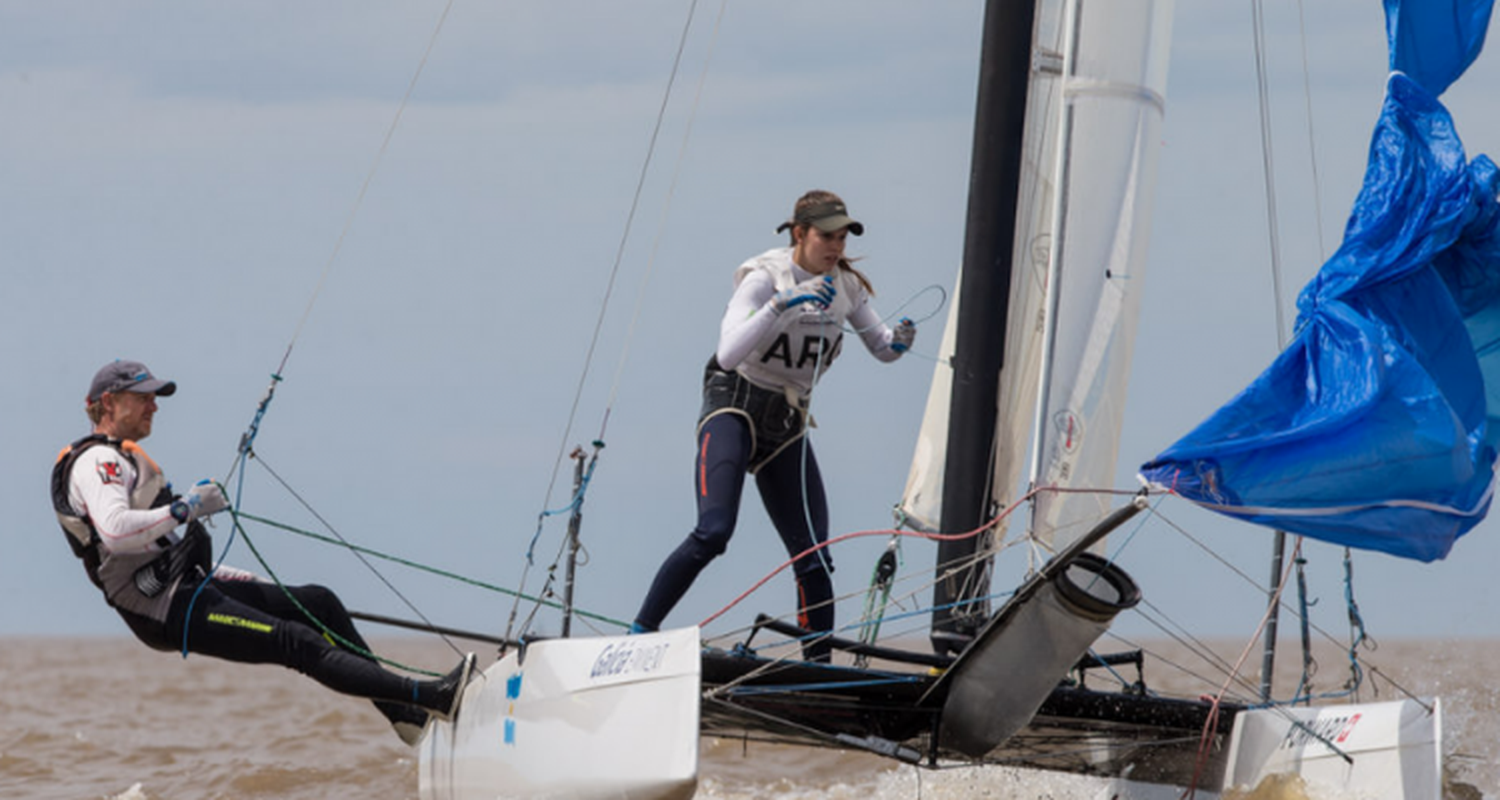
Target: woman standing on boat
<point>781,331</point>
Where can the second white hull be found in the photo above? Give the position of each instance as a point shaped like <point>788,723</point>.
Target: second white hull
<point>596,717</point>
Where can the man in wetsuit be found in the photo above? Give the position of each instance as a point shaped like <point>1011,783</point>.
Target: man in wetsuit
<point>146,548</point>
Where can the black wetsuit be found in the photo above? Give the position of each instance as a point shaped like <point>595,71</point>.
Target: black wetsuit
<point>166,592</point>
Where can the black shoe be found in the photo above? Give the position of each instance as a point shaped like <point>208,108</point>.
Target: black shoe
<point>450,689</point>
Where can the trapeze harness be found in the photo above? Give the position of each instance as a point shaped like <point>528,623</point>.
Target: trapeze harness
<point>138,585</point>
<point>798,350</point>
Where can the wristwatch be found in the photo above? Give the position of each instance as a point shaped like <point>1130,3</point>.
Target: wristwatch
<point>179,511</point>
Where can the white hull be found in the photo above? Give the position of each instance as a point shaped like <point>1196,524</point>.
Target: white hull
<point>1395,752</point>
<point>1394,749</point>
<point>596,717</point>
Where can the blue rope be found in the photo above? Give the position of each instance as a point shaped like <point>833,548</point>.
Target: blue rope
<point>1110,668</point>
<point>1358,637</point>
<point>575,503</point>
<point>247,440</point>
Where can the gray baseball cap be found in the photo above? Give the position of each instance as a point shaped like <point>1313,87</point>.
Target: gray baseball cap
<point>826,217</point>
<point>128,376</point>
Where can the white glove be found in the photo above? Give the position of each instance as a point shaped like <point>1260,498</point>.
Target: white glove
<point>816,290</point>
<point>903,335</point>
<point>206,498</point>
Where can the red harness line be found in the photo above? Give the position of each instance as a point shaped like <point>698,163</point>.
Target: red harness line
<point>936,537</point>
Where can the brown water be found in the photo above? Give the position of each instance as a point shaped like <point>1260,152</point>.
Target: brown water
<point>107,718</point>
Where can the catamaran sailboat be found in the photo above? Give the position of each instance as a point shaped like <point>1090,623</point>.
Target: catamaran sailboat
<point>1024,416</point>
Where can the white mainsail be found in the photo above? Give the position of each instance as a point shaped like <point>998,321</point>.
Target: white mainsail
<point>922,500</point>
<point>1114,87</point>
<point>1094,113</point>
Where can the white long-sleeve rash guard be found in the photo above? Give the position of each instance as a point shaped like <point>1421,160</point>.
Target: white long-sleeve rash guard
<point>751,315</point>
<point>99,488</point>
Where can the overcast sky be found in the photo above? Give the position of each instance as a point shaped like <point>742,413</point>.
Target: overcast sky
<point>180,184</point>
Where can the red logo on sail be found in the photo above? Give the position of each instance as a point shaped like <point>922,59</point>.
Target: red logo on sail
<point>1069,430</point>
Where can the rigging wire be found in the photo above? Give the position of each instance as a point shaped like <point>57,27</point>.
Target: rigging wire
<point>687,133</point>
<point>1268,164</point>
<point>355,551</point>
<point>1231,672</point>
<point>936,537</point>
<point>1211,724</point>
<point>418,566</point>
<point>323,628</point>
<point>917,612</point>
<point>358,203</point>
<point>247,439</point>
<point>614,272</point>
<point>364,189</point>
<point>1181,531</point>
<point>1268,167</point>
<point>1358,636</point>
<point>1282,331</point>
<point>1312,150</point>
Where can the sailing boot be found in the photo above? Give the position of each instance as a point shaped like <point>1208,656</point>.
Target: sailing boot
<point>442,696</point>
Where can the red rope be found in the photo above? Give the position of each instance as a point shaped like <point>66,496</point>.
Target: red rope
<point>936,537</point>
<point>1211,724</point>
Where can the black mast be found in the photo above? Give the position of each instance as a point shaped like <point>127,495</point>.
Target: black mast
<point>994,182</point>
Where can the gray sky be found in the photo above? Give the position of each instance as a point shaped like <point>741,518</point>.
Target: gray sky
<point>177,176</point>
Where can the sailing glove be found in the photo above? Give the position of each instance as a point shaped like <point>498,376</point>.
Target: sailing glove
<point>204,499</point>
<point>817,290</point>
<point>903,335</point>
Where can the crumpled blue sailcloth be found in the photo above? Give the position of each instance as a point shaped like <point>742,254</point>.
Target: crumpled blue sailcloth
<point>1376,428</point>
<point>1434,41</point>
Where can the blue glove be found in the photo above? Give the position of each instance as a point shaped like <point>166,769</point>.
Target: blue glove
<point>902,336</point>
<point>817,290</point>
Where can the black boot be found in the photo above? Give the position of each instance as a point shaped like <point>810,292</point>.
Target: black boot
<point>448,690</point>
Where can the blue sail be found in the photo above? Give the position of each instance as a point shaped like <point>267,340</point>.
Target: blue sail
<point>1434,41</point>
<point>1377,426</point>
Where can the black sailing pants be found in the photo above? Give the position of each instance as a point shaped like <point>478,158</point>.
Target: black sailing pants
<point>257,623</point>
<point>719,477</point>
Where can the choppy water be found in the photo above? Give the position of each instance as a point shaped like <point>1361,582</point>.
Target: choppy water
<point>107,718</point>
